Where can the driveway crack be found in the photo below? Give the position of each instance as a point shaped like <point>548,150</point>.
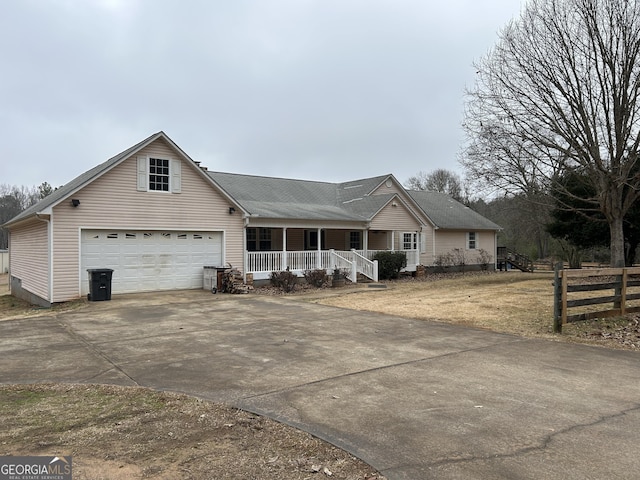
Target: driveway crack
<point>543,444</point>
<point>376,369</point>
<point>96,351</point>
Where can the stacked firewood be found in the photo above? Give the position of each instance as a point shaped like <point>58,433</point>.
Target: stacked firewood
<point>232,282</point>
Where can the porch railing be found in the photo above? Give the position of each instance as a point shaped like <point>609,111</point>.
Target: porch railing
<point>261,264</point>
<point>413,256</point>
<point>365,265</point>
<point>353,262</point>
<point>340,260</point>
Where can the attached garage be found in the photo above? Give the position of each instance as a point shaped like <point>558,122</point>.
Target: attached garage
<point>146,260</point>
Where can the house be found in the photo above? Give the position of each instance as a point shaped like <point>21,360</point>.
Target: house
<point>156,217</point>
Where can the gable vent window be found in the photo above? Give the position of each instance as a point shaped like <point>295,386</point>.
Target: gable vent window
<point>159,174</point>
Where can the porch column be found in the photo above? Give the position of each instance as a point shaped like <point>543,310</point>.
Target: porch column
<point>393,240</point>
<point>284,248</point>
<point>365,241</point>
<point>319,257</point>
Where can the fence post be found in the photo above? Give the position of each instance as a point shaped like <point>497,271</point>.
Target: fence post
<point>623,292</point>
<point>557,299</point>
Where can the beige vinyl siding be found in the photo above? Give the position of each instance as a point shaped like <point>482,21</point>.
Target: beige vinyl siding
<point>384,189</point>
<point>426,254</point>
<point>395,218</point>
<point>30,257</point>
<point>113,201</point>
<point>448,240</point>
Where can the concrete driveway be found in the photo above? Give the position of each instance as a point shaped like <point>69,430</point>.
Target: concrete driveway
<point>415,399</point>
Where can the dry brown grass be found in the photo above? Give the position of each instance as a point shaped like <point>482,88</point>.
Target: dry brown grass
<point>134,433</point>
<point>520,303</point>
<point>508,302</point>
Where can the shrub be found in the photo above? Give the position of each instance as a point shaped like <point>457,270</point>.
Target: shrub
<point>459,258</point>
<point>284,280</point>
<point>316,278</point>
<point>484,259</point>
<point>390,264</point>
<point>442,261</point>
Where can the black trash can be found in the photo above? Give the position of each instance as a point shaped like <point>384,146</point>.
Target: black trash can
<point>99,284</point>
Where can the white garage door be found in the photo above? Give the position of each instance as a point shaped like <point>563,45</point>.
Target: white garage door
<point>150,260</point>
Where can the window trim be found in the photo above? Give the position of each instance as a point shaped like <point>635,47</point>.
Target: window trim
<point>259,239</point>
<point>174,177</point>
<point>162,180</point>
<point>414,243</point>
<point>472,238</point>
<point>353,241</point>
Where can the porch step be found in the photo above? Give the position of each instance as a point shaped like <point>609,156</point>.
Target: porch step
<point>363,278</point>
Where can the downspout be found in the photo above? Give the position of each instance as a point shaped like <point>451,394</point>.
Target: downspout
<point>49,255</point>
<point>245,255</point>
<point>435,229</point>
<point>495,250</point>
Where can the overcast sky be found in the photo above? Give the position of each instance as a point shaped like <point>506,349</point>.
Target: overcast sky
<point>329,90</point>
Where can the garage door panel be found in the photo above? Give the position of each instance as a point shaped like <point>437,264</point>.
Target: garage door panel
<point>147,261</point>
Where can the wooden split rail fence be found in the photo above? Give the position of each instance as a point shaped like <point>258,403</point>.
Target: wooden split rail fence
<point>574,290</point>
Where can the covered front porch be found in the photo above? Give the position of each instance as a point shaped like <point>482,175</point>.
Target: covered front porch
<point>270,249</point>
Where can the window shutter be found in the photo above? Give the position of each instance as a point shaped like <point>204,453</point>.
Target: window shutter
<point>142,174</point>
<point>423,242</point>
<point>176,176</point>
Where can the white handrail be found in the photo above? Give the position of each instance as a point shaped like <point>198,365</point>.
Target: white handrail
<point>353,262</point>
<point>365,266</point>
<point>341,262</point>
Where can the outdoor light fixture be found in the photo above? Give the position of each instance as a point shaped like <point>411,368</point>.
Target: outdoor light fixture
<point>75,202</point>
<point>232,210</point>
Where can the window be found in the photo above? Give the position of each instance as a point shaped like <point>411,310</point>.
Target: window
<point>472,240</point>
<point>258,239</point>
<point>252,239</point>
<point>409,241</point>
<point>265,239</point>
<point>355,240</point>
<point>311,239</point>
<point>159,174</point>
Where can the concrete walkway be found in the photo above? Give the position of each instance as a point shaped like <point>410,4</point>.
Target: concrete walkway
<point>414,399</point>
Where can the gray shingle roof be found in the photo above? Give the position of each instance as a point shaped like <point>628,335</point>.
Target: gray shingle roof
<point>285,198</point>
<point>445,212</point>
<point>281,198</point>
<point>80,180</point>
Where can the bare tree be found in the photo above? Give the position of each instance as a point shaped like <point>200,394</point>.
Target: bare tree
<point>560,91</point>
<point>439,180</point>
<point>14,200</point>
